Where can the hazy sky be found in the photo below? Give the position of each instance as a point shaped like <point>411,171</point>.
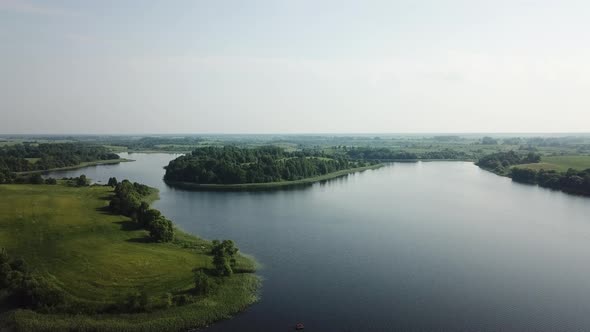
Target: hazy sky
<point>294,66</point>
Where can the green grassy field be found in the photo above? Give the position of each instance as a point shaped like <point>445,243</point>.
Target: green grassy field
<point>560,163</point>
<point>269,185</point>
<point>97,257</point>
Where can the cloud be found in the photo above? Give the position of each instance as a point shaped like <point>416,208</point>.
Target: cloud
<point>27,7</point>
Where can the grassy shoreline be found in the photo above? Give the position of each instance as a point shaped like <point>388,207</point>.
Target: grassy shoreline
<point>268,185</point>
<point>97,258</point>
<point>81,165</point>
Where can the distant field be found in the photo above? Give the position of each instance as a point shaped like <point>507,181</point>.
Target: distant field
<point>116,148</point>
<point>560,163</point>
<point>98,257</point>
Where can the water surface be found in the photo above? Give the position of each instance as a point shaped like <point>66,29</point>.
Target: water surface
<point>411,246</point>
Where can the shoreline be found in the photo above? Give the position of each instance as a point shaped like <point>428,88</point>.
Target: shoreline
<point>268,185</point>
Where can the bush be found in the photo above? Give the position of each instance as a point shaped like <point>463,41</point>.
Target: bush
<point>82,181</point>
<point>224,257</point>
<point>136,302</point>
<point>112,182</point>
<point>161,230</point>
<point>524,175</point>
<point>36,179</point>
<point>182,299</point>
<point>203,283</point>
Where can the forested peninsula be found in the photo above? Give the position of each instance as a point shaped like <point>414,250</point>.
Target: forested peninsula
<point>232,167</point>
<point>27,158</point>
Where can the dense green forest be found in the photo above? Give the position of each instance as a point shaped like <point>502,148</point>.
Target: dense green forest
<point>234,165</point>
<point>34,157</point>
<point>572,181</point>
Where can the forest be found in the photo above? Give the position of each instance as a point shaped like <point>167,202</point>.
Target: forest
<point>501,162</point>
<point>235,165</point>
<point>35,157</point>
<point>572,181</point>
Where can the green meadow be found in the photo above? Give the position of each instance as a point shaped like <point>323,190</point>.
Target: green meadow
<point>98,258</point>
<point>560,163</point>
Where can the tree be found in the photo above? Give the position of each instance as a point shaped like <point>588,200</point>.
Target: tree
<point>161,230</point>
<point>489,141</point>
<point>136,301</point>
<point>222,266</point>
<point>203,283</point>
<point>112,182</point>
<point>167,300</point>
<point>525,175</point>
<point>224,257</point>
<point>147,216</point>
<point>82,181</point>
<point>11,270</point>
<point>50,181</point>
<point>532,158</point>
<point>36,179</point>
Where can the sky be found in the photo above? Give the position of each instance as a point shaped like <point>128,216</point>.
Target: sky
<point>294,66</point>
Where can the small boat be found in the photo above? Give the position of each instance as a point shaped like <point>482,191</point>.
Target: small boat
<point>299,326</point>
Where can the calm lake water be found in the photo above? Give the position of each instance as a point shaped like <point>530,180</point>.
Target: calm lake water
<point>411,246</point>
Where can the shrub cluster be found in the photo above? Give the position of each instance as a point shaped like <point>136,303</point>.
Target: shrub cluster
<point>26,289</point>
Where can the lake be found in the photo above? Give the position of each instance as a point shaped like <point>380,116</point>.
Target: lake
<point>410,246</point>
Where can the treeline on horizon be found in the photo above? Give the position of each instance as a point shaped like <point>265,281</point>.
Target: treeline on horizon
<point>385,154</point>
<point>235,165</point>
<point>156,143</point>
<point>35,157</point>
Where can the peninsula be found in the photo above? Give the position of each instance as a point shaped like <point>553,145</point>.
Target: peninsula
<point>99,258</point>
